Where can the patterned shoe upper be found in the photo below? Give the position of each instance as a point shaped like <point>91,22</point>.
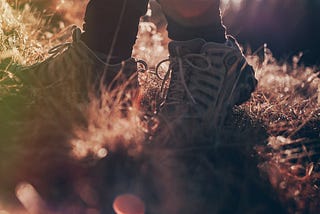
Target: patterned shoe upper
<point>185,61</point>
<point>206,79</point>
<point>77,68</point>
<point>234,79</point>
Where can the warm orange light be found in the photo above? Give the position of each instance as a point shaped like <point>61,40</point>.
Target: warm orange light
<point>128,204</point>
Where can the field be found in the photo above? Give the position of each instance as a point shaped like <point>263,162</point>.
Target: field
<point>61,155</point>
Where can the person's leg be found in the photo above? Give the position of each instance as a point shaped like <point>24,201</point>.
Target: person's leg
<point>209,72</point>
<point>189,19</point>
<point>111,26</point>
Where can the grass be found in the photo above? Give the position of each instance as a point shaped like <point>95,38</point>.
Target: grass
<point>58,156</point>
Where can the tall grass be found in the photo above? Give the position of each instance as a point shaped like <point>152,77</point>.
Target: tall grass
<point>56,146</point>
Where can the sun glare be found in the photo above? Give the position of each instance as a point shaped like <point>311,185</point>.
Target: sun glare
<point>61,146</point>
<point>234,2</point>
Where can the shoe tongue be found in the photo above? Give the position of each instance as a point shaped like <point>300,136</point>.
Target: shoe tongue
<point>181,48</point>
<point>230,42</point>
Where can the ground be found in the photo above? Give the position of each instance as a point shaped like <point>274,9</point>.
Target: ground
<point>58,156</point>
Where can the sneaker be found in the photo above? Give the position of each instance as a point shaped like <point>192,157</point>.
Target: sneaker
<point>185,60</point>
<point>206,80</point>
<point>80,67</point>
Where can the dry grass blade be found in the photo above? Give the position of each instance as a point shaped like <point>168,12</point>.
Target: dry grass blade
<point>76,148</point>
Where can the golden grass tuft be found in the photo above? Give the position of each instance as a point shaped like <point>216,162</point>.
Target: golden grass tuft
<point>52,133</point>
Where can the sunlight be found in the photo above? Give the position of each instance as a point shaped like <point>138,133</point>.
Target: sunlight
<point>64,141</point>
<point>233,1</point>
<point>224,3</point>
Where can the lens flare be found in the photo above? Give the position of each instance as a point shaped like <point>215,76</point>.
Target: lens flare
<point>128,204</point>
<point>30,198</point>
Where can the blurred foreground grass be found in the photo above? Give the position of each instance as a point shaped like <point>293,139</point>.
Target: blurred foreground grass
<point>286,106</point>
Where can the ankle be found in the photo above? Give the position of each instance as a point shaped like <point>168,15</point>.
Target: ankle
<point>214,32</point>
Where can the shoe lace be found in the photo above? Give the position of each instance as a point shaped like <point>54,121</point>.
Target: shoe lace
<point>76,35</point>
<point>179,87</point>
<point>142,66</point>
<point>58,49</point>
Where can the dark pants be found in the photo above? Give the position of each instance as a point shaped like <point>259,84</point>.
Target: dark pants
<point>111,27</point>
